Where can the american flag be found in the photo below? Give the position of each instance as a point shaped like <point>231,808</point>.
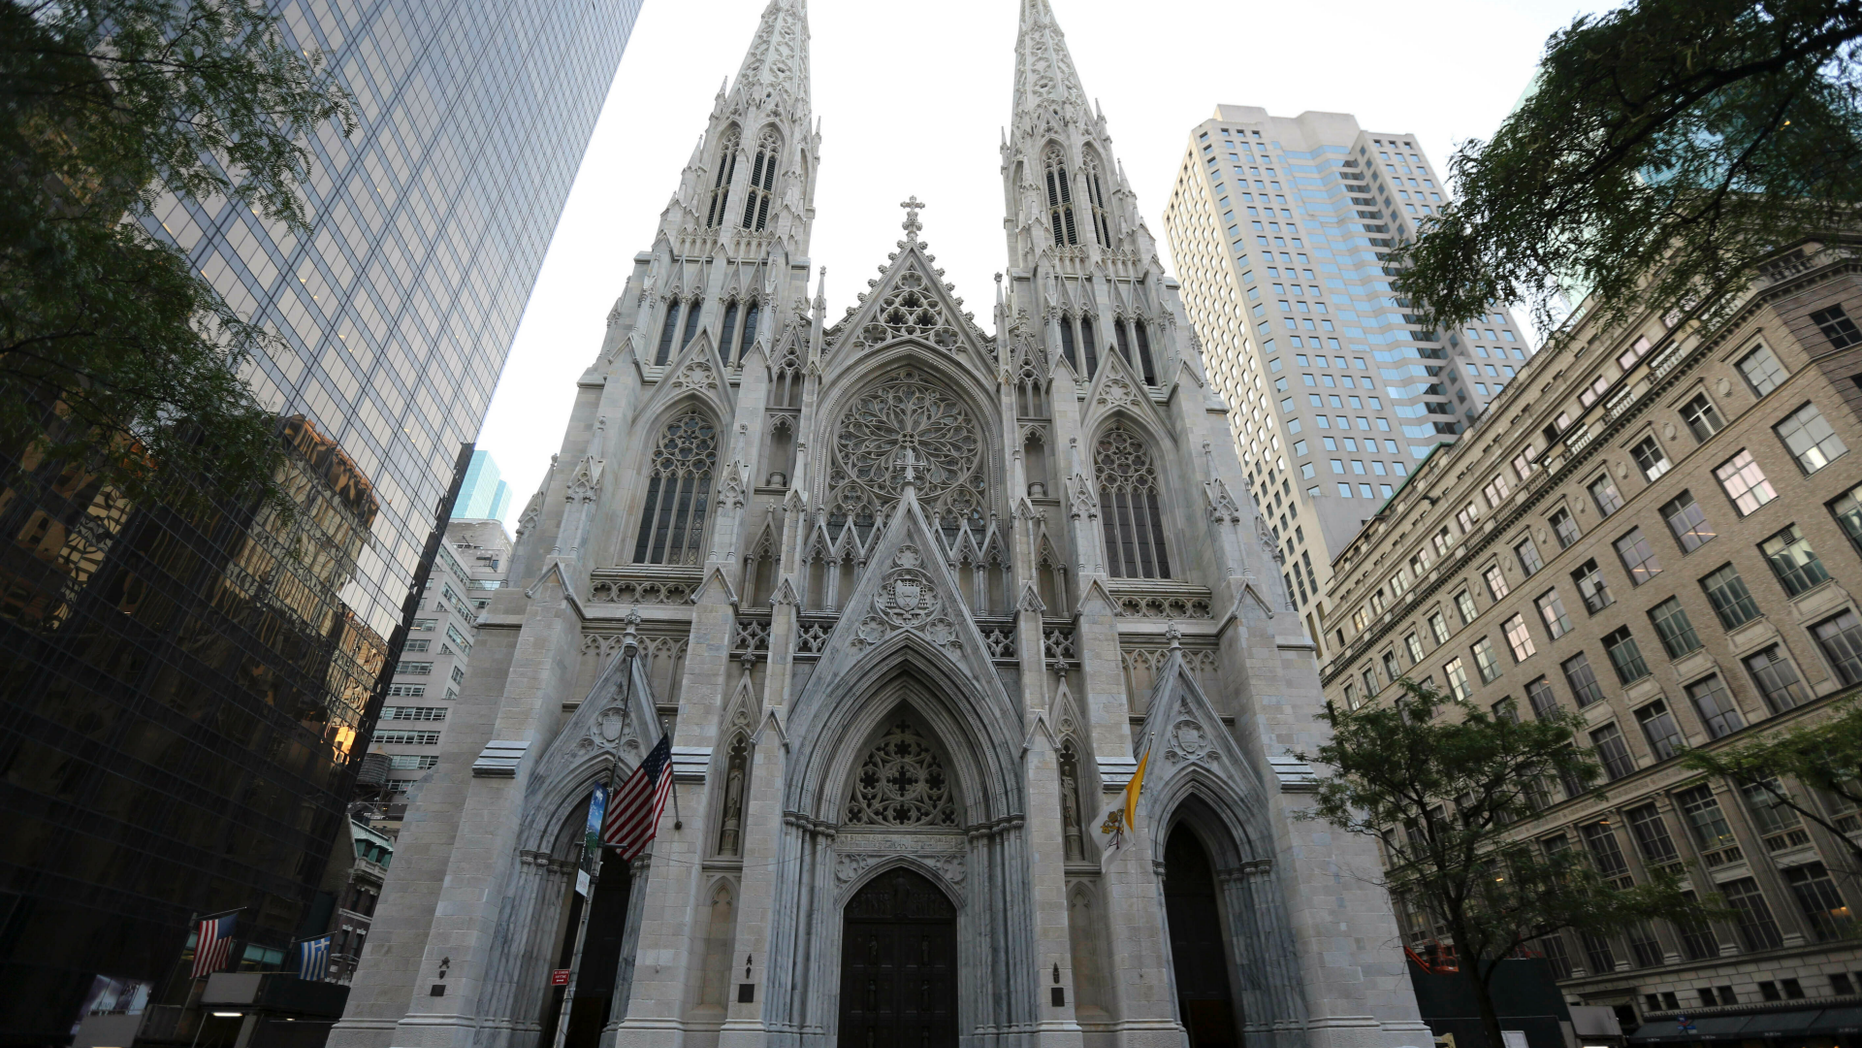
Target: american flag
<point>212,944</point>
<point>633,811</point>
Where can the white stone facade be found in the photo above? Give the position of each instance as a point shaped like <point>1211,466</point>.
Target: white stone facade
<point>906,595</point>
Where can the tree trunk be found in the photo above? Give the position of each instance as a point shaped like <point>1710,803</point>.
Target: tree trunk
<point>1483,997</point>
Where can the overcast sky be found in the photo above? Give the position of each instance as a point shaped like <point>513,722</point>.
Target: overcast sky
<point>913,99</point>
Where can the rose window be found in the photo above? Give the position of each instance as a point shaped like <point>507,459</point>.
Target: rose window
<point>903,418</point>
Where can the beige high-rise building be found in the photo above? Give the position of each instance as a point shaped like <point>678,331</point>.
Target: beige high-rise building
<point>1658,528</point>
<point>472,562</point>
<point>1281,229</point>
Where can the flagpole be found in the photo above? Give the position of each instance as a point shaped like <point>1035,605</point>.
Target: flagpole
<point>629,645</point>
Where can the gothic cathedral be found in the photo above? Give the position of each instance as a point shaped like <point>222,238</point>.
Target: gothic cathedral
<point>911,598</point>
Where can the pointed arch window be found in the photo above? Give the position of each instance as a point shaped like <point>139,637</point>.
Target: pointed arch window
<point>749,331</point>
<point>762,182</point>
<point>668,332</point>
<point>1129,506</point>
<point>672,523</point>
<point>1066,343</point>
<point>1089,346</point>
<point>721,186</point>
<point>1145,363</point>
<point>1096,198</point>
<point>729,328</point>
<point>670,329</point>
<point>1060,200</point>
<point>1122,332</point>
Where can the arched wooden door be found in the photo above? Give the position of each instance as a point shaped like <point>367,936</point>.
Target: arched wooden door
<point>1198,955</point>
<point>898,983</point>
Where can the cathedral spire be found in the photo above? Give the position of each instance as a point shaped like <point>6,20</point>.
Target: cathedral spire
<point>774,74</point>
<point>754,172</point>
<point>1044,73</point>
<point>1061,180</point>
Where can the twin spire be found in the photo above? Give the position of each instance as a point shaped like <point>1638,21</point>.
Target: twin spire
<point>1045,79</point>
<point>774,75</point>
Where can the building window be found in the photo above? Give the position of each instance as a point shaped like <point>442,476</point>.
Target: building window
<point>1438,627</point>
<point>1583,682</point>
<point>1822,904</point>
<point>1777,679</point>
<point>1496,582</point>
<point>1757,929</point>
<point>1414,643</point>
<point>1658,726</point>
<point>1646,949</point>
<point>1650,458</point>
<point>1715,706</point>
<point>1552,610</point>
<point>1813,443</point>
<point>416,668</point>
<point>1688,522</point>
<point>1528,555</point>
<point>1762,370</point>
<point>672,522</point>
<point>1457,675</point>
<point>1702,811</point>
<point>1770,813</point>
<point>1096,198</point>
<point>1130,507</point>
<point>1793,561</point>
<point>1597,952</point>
<point>1841,638</point>
<point>1651,834</point>
<point>762,182</point>
<point>1606,853</point>
<point>721,185</point>
<point>1556,956</point>
<point>1702,418</point>
<point>1848,513</point>
<point>1540,697</point>
<point>1674,628</point>
<point>1744,482</point>
<point>1519,638</point>
<point>1612,751</point>
<point>1591,587</point>
<point>1603,492</point>
<point>1484,661</point>
<point>1732,602</point>
<point>1638,557</point>
<point>1699,944</point>
<point>1060,200</point>
<point>1625,655</point>
<point>1565,528</point>
<point>1464,606</point>
<point>1837,327</point>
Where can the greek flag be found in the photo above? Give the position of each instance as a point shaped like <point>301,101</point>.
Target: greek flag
<point>313,959</point>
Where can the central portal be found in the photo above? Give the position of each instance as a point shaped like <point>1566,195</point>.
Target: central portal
<point>898,983</point>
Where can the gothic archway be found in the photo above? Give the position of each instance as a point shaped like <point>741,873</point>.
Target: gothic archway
<point>899,964</point>
<point>1199,955</point>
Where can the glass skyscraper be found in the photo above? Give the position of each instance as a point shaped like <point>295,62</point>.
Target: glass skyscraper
<point>184,697</point>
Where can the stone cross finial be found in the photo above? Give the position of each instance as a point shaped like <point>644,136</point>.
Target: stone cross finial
<point>912,226</point>
<point>1174,634</point>
<point>910,462</point>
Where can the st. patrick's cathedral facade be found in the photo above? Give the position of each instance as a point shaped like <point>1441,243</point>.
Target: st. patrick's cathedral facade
<point>911,597</point>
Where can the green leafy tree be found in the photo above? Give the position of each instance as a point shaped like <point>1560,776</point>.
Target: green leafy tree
<point>1439,793</point>
<point>1665,149</point>
<point>114,354</point>
<point>1825,755</point>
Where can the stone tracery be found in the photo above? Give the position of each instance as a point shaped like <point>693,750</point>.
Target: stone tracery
<point>899,413</point>
<point>902,783</point>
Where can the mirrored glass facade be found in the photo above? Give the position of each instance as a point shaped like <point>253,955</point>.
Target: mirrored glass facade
<point>184,696</point>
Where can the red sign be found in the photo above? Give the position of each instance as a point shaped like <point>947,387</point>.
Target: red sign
<point>559,977</point>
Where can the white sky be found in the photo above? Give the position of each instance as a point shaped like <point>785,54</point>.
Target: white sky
<point>913,99</point>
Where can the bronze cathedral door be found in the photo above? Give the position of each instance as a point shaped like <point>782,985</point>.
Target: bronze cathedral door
<point>898,983</point>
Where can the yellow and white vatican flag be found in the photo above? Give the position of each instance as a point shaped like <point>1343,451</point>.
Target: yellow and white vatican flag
<point>1122,817</point>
